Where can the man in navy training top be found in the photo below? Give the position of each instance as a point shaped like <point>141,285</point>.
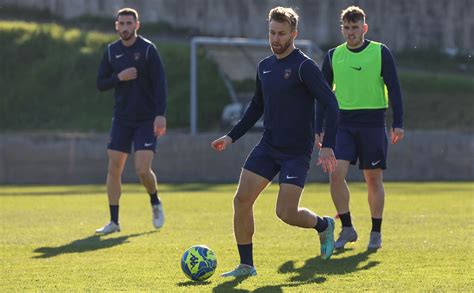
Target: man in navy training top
<point>364,77</point>
<point>287,85</point>
<point>132,66</point>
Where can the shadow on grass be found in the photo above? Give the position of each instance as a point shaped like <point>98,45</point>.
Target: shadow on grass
<point>193,283</point>
<point>309,273</point>
<point>91,243</point>
<point>74,190</point>
<point>231,284</point>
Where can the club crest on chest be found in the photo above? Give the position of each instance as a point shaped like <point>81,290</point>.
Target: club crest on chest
<point>287,73</point>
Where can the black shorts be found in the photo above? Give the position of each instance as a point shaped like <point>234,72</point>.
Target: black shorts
<point>368,145</point>
<point>266,161</point>
<point>141,134</point>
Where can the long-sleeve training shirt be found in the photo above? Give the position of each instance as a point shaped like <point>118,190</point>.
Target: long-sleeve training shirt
<point>286,90</point>
<point>369,117</point>
<point>140,99</point>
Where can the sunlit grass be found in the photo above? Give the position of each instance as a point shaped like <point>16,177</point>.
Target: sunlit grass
<point>48,244</point>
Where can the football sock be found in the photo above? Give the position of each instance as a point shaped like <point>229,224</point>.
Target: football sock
<point>346,219</point>
<point>376,224</point>
<point>321,225</point>
<point>245,252</point>
<point>114,213</point>
<point>154,200</point>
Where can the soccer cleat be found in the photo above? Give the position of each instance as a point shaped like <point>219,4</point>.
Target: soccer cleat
<point>241,270</point>
<point>347,234</point>
<point>158,215</point>
<point>375,241</point>
<point>326,238</point>
<point>109,228</point>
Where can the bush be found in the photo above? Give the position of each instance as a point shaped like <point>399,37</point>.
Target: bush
<point>49,80</point>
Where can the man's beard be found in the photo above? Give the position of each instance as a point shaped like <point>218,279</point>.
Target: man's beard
<point>282,48</point>
<point>128,36</point>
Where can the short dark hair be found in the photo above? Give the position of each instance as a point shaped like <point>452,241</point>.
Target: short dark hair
<point>284,14</point>
<point>128,11</point>
<point>353,14</point>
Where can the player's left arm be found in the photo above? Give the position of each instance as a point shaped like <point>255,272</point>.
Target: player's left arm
<point>158,77</point>
<point>390,78</point>
<point>316,84</point>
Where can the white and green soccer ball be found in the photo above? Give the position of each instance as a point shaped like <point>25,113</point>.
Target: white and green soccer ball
<point>199,263</point>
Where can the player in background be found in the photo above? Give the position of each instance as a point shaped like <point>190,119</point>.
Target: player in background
<point>287,85</point>
<point>363,76</point>
<point>132,67</point>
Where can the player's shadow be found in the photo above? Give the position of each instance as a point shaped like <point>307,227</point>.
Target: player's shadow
<point>335,266</point>
<point>230,285</point>
<point>91,243</point>
<point>310,273</point>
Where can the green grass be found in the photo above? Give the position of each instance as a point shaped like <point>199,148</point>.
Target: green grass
<point>47,242</point>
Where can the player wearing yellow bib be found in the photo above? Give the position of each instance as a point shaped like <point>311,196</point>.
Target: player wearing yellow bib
<point>363,76</point>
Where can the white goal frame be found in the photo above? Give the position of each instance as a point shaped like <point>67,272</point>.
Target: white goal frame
<point>307,45</point>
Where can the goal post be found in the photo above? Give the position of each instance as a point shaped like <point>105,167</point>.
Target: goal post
<point>306,45</point>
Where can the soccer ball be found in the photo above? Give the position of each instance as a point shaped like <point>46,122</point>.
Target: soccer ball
<point>199,263</point>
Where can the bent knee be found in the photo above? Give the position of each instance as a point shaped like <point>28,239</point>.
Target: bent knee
<point>286,215</point>
<point>142,172</point>
<point>242,200</point>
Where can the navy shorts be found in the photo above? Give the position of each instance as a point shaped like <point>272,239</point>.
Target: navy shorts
<point>267,161</point>
<point>368,145</point>
<point>123,134</point>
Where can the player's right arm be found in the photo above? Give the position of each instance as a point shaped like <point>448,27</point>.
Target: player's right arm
<point>106,77</point>
<point>251,116</point>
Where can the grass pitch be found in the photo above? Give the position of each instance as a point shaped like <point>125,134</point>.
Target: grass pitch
<point>47,241</point>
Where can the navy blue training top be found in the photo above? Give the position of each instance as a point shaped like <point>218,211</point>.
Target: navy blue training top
<point>369,117</point>
<point>285,94</point>
<point>140,99</point>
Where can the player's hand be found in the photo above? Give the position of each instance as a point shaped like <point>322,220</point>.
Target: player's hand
<point>127,74</point>
<point>396,135</point>
<point>318,143</point>
<point>221,144</point>
<point>327,160</point>
<point>159,126</point>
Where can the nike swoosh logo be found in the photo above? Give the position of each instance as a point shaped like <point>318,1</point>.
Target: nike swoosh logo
<point>118,56</point>
<point>148,144</point>
<point>375,163</point>
<point>266,71</point>
<point>357,68</point>
<point>291,177</point>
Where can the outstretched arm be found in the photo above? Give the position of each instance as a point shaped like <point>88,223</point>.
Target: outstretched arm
<point>251,115</point>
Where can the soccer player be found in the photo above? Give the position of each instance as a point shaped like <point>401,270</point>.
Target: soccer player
<point>287,84</point>
<point>132,66</point>
<point>364,78</point>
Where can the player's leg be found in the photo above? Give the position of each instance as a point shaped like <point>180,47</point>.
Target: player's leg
<point>373,161</point>
<point>376,198</point>
<point>293,172</point>
<point>346,154</point>
<point>339,189</point>
<point>143,161</point>
<point>250,187</point>
<point>144,142</point>
<point>292,179</point>
<point>258,171</point>
<point>289,211</point>
<point>118,148</point>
